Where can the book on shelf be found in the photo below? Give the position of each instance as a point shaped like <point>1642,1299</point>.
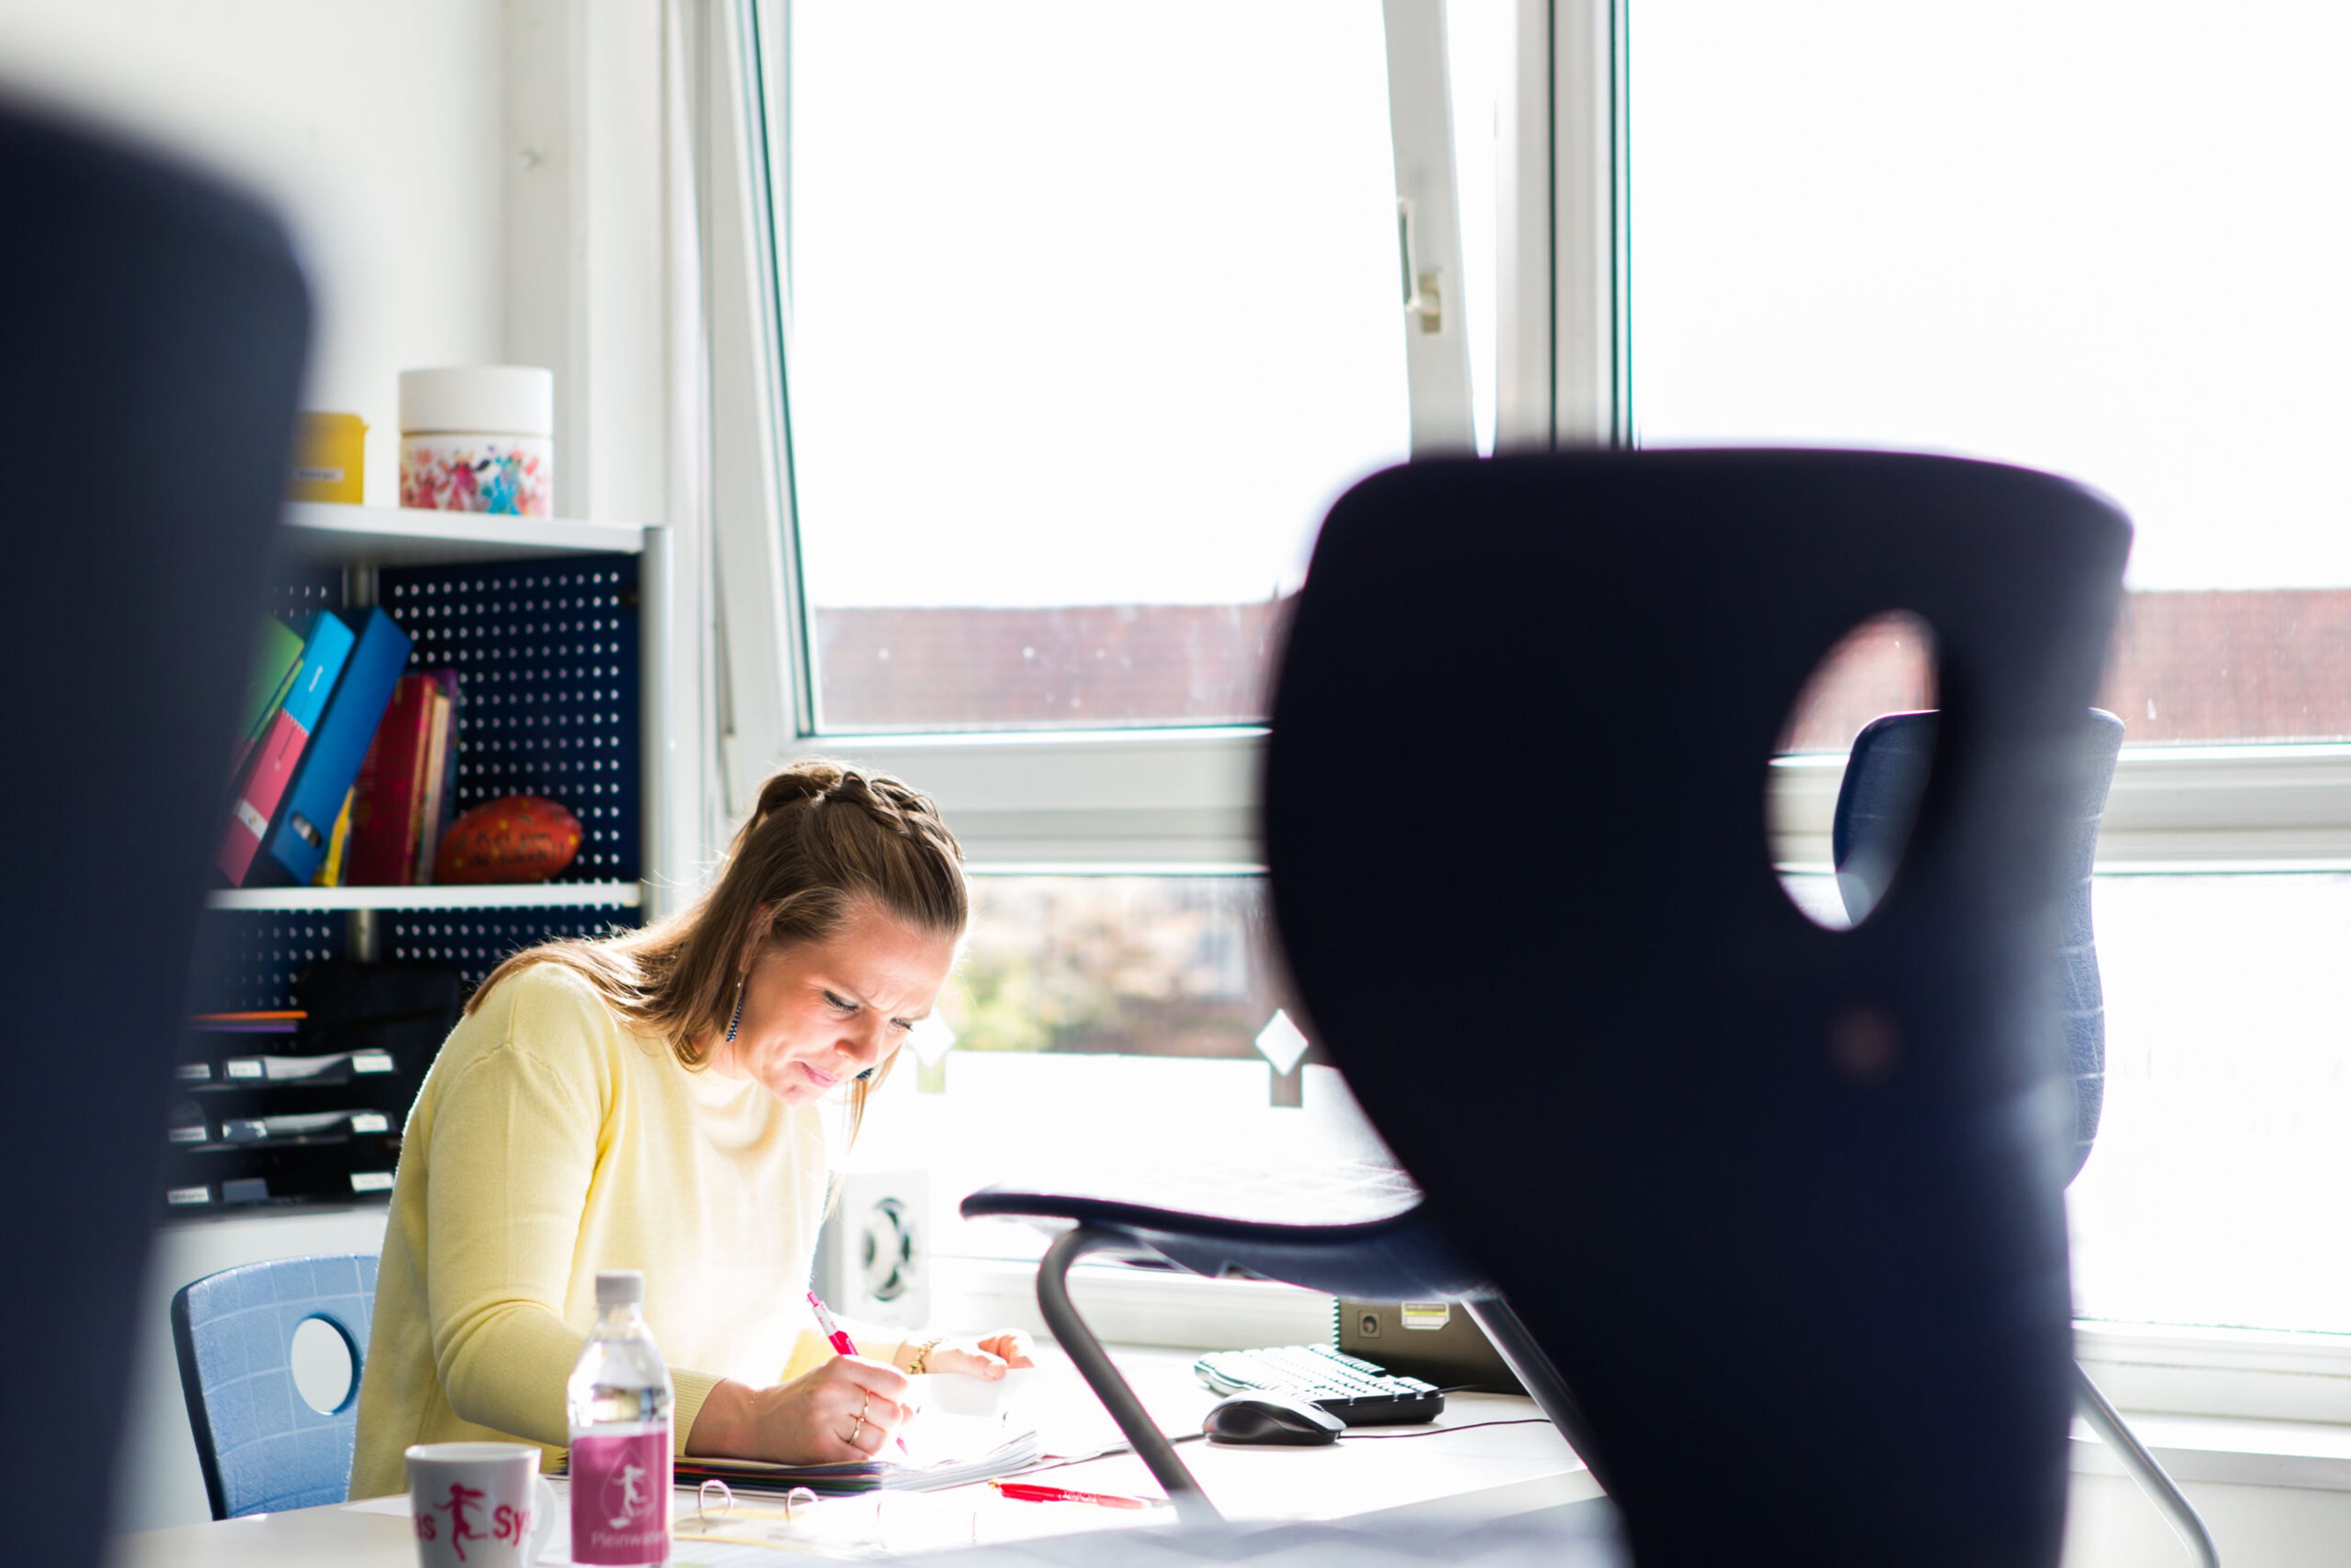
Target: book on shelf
<point>388,795</point>
<point>276,662</point>
<point>330,762</point>
<point>331,869</point>
<point>286,741</point>
<point>440,769</point>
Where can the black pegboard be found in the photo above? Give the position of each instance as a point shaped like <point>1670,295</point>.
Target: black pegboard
<point>299,592</point>
<point>249,960</point>
<point>475,941</point>
<point>246,960</point>
<point>547,658</point>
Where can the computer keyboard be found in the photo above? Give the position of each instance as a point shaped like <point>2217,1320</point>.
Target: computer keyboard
<point>1354,1390</point>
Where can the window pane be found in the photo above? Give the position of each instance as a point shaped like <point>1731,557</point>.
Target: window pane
<point>2099,238</point>
<point>1093,311</point>
<point>2216,1189</point>
<point>1105,1028</point>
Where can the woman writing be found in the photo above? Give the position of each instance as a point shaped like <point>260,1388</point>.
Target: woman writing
<point>658,1101</point>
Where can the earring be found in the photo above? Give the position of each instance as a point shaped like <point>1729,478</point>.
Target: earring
<point>736,1021</point>
<point>866,1076</point>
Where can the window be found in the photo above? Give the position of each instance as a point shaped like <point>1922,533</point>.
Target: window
<point>2087,238</point>
<point>1085,315</point>
<point>1093,310</point>
<point>1100,1023</point>
<point>1032,251</point>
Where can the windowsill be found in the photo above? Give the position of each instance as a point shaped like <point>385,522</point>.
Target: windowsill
<point>2228,1452</point>
<point>1140,1306</point>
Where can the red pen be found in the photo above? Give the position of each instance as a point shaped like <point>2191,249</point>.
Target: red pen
<point>1025,1491</point>
<point>841,1343</point>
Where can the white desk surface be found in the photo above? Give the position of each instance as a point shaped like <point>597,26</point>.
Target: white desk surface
<point>1469,1474</point>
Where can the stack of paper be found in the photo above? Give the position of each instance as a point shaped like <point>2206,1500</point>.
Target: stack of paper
<point>876,1474</point>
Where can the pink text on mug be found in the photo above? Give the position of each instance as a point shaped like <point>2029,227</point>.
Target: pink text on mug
<point>620,1499</point>
<point>466,1514</point>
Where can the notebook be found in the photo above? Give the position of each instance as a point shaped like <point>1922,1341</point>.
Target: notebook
<point>1014,1453</point>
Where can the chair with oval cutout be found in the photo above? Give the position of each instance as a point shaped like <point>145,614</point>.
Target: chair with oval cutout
<point>1884,776</point>
<point>1764,1199</point>
<point>262,1445</point>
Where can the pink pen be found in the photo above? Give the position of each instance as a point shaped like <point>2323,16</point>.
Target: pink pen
<point>838,1339</point>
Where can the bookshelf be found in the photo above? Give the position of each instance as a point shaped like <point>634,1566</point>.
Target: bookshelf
<point>560,632</point>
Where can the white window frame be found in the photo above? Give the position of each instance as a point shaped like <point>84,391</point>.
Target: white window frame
<point>1184,799</point>
<point>1173,797</point>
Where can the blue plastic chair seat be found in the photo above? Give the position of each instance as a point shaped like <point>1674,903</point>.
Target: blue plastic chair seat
<point>262,1447</point>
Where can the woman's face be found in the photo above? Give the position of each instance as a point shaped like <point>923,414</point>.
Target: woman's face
<point>816,1014</point>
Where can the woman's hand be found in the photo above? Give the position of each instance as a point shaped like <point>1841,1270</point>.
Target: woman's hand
<point>990,1356</point>
<point>848,1409</point>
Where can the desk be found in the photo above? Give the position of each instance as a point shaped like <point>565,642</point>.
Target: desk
<point>1485,1473</point>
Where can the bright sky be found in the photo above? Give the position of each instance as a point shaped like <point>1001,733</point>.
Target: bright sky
<point>2106,238</point>
<point>1098,304</point>
<point>1092,303</point>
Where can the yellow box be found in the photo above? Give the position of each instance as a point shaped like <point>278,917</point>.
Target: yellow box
<point>329,458</point>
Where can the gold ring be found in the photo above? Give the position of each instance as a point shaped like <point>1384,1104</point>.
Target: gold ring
<point>856,1430</point>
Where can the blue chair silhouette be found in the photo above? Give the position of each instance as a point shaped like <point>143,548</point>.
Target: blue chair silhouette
<point>135,295</point>
<point>262,1447</point>
<point>1774,1211</point>
<point>1883,778</point>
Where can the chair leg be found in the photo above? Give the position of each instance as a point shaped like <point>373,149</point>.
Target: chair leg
<point>1069,1330</point>
<point>2159,1487</point>
<point>1534,1370</point>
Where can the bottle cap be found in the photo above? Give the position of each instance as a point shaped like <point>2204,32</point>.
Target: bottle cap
<point>620,1287</point>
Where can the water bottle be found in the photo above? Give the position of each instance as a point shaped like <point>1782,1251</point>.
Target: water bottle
<point>620,1397</point>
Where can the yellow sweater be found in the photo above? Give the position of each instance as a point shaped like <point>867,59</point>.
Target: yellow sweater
<point>548,1142</point>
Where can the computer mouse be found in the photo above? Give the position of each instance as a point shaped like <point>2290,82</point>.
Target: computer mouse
<point>1264,1417</point>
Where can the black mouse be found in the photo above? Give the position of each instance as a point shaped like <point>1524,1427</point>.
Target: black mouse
<point>1269,1418</point>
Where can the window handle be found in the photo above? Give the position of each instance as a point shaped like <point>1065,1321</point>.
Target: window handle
<point>1423,294</point>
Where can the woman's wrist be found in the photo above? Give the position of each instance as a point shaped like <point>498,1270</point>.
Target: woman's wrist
<point>723,1426</point>
<point>913,1357</point>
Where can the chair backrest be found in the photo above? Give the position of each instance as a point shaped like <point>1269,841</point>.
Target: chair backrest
<point>261,1446</point>
<point>1780,1203</point>
<point>1884,778</point>
<point>151,337</point>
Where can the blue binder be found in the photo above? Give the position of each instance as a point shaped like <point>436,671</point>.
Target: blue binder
<point>297,839</point>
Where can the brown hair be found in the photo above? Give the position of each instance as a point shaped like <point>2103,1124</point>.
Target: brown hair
<point>822,838</point>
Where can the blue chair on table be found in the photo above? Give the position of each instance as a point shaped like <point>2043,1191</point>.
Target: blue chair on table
<point>1883,778</point>
<point>1772,1213</point>
<point>262,1447</point>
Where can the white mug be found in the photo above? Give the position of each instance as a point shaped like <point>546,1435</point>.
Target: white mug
<point>478,1505</point>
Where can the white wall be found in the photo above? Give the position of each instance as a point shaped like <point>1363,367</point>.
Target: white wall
<point>376,128</point>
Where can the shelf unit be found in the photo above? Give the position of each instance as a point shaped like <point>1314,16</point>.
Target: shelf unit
<point>343,553</point>
<point>560,631</point>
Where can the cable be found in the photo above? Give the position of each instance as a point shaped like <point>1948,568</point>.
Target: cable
<point>1440,1431</point>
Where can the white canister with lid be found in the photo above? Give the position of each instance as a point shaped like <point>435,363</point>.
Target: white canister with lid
<point>478,438</point>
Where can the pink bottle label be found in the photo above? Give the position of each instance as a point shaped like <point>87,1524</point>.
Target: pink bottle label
<point>620,1499</point>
